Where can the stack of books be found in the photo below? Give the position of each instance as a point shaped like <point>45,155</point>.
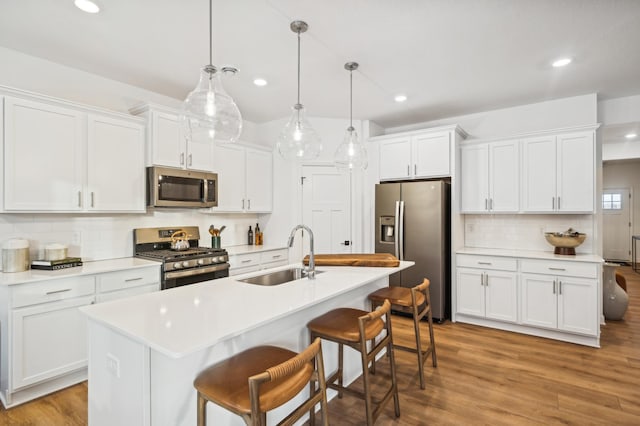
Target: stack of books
<point>52,265</point>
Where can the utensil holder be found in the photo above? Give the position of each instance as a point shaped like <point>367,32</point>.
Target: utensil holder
<point>215,242</point>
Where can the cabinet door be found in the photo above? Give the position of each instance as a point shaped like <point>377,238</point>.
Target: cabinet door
<point>501,296</point>
<point>115,172</point>
<point>576,171</point>
<point>431,155</point>
<point>539,300</point>
<point>167,145</point>
<point>43,158</point>
<point>470,292</point>
<point>578,305</point>
<point>504,176</point>
<point>259,181</point>
<point>474,181</point>
<point>395,158</point>
<point>539,174</point>
<point>230,167</point>
<point>48,340</point>
<point>200,155</point>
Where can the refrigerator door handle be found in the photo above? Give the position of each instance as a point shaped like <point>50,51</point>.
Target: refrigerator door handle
<point>397,230</point>
<point>401,232</point>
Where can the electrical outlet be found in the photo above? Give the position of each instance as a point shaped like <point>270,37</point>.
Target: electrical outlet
<point>113,365</point>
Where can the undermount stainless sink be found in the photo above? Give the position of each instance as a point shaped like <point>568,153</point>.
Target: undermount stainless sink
<point>278,277</point>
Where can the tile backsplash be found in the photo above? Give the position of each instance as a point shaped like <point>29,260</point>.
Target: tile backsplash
<point>98,237</point>
<point>525,232</point>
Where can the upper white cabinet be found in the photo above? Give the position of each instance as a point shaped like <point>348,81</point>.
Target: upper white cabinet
<point>62,159</point>
<point>558,173</point>
<point>245,179</point>
<point>417,154</point>
<point>167,145</point>
<point>489,177</point>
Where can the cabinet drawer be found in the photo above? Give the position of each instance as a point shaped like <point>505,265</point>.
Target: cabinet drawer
<point>111,281</point>
<point>281,255</point>
<point>50,291</point>
<point>244,260</point>
<point>128,292</point>
<point>552,267</point>
<point>487,262</point>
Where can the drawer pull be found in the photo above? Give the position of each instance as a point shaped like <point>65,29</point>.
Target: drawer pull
<point>484,263</point>
<point>57,291</point>
<point>128,280</point>
<point>276,256</point>
<point>557,269</point>
<point>246,261</point>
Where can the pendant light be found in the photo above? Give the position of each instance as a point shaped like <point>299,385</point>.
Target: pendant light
<point>208,112</point>
<point>351,154</point>
<point>298,140</point>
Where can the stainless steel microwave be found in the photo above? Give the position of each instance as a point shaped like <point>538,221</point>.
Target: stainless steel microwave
<point>167,187</point>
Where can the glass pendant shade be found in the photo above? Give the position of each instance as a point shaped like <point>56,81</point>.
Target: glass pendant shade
<point>351,154</point>
<point>298,140</point>
<point>209,113</point>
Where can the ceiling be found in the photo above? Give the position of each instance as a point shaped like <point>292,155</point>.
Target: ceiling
<point>450,57</point>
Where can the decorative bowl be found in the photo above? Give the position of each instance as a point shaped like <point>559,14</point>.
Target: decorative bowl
<point>565,242</point>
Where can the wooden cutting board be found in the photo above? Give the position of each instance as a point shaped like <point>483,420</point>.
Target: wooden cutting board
<point>355,259</point>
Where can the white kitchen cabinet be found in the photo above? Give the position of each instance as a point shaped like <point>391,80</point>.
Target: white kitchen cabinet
<point>245,179</point>
<point>115,175</point>
<point>83,161</point>
<point>558,173</point>
<point>415,155</point>
<point>274,258</point>
<point>166,143</point>
<point>486,292</point>
<point>489,177</point>
<point>243,263</point>
<point>126,283</point>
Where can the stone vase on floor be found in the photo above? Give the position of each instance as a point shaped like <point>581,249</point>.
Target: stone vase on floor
<point>615,300</point>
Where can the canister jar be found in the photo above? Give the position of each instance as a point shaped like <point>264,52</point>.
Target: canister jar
<point>15,255</point>
<point>55,251</point>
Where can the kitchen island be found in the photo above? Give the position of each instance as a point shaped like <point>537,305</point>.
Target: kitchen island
<point>145,351</point>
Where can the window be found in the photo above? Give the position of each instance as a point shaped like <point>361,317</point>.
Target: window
<point>612,201</point>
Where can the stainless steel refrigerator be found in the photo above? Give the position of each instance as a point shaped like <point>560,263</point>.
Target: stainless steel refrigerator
<point>413,223</point>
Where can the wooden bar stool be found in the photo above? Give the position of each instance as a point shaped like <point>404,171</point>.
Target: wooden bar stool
<point>417,302</point>
<point>263,378</point>
<point>354,328</point>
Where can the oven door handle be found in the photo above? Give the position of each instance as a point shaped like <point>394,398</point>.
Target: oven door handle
<point>195,271</point>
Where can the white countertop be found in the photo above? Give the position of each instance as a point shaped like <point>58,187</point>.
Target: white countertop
<point>183,320</point>
<point>531,254</point>
<point>232,250</point>
<point>93,267</point>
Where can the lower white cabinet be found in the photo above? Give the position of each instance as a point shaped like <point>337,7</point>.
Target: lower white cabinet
<point>243,263</point>
<point>130,282</point>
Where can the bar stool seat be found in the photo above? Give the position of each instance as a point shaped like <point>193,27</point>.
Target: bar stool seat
<point>260,379</point>
<point>417,302</point>
<point>354,328</point>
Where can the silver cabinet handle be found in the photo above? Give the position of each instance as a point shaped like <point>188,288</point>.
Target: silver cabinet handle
<point>79,198</point>
<point>490,203</point>
<point>560,287</point>
<point>486,204</point>
<point>484,263</point>
<point>182,158</point>
<point>190,159</point>
<point>415,169</point>
<point>243,204</point>
<point>132,279</point>
<point>276,256</point>
<point>57,291</point>
<point>482,278</point>
<point>408,170</point>
<point>557,269</point>
<point>558,203</point>
<point>246,261</point>
<point>554,286</point>
<point>92,199</point>
<point>249,204</point>
<point>486,279</point>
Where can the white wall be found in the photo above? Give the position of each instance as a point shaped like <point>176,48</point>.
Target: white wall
<point>619,110</point>
<point>625,174</point>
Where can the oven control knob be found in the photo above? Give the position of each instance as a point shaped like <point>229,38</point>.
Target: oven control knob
<point>200,261</point>
<point>185,264</point>
<point>220,259</point>
<point>177,265</point>
<point>214,259</point>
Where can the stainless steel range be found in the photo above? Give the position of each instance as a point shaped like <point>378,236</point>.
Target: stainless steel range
<point>182,263</point>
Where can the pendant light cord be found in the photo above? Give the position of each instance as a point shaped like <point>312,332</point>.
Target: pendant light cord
<point>351,99</point>
<point>298,66</point>
<point>210,33</point>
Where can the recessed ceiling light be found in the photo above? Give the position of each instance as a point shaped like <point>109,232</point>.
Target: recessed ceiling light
<point>400,98</point>
<point>87,6</point>
<point>561,62</point>
<point>260,82</point>
<point>631,135</point>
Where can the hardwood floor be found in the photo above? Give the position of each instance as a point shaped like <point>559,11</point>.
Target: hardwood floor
<point>484,376</point>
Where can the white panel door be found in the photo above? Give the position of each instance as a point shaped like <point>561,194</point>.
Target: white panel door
<point>230,167</point>
<point>576,171</point>
<point>326,200</point>
<point>259,177</point>
<point>395,158</point>
<point>168,147</point>
<point>578,305</point>
<point>616,214</point>
<point>539,174</point>
<point>474,184</point>
<point>501,296</point>
<point>470,292</point>
<point>539,301</point>
<point>504,176</point>
<point>43,158</point>
<point>115,159</point>
<point>431,154</point>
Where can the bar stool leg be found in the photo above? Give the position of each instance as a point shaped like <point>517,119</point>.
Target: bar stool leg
<point>434,359</point>
<point>416,327</point>
<point>202,411</point>
<point>367,386</point>
<point>340,367</point>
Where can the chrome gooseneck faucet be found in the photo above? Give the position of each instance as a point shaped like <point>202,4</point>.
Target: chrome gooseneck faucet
<point>311,270</point>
